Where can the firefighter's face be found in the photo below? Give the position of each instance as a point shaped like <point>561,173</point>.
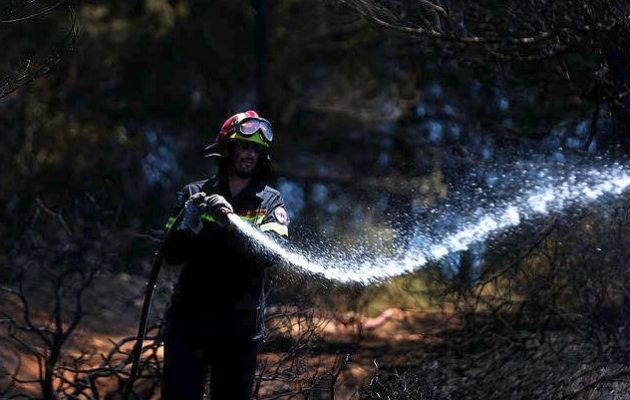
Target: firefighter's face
<point>246,156</point>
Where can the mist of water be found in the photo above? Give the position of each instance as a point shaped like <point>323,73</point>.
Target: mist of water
<point>549,191</point>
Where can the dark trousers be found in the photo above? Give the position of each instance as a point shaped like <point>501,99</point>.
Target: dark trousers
<point>192,349</point>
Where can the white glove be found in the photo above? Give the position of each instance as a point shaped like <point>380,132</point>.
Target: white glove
<point>218,207</point>
<point>193,208</point>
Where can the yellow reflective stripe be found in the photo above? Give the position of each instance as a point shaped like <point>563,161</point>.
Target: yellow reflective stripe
<point>210,218</point>
<point>275,227</point>
<point>259,218</point>
<point>170,222</point>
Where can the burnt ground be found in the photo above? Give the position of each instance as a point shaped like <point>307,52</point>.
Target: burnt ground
<point>411,354</point>
<point>305,349</point>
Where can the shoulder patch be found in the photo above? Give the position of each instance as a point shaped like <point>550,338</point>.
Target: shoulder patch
<point>281,215</point>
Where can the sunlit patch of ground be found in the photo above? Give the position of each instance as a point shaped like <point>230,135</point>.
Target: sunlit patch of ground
<point>352,344</point>
<point>364,343</point>
<point>353,341</point>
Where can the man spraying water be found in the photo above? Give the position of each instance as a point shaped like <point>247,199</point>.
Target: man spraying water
<point>216,324</point>
<point>201,319</point>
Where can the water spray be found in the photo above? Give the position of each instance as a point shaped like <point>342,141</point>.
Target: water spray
<point>553,192</point>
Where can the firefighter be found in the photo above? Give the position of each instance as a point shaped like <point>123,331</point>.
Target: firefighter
<point>215,320</point>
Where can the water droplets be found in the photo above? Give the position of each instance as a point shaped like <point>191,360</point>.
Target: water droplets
<point>552,190</point>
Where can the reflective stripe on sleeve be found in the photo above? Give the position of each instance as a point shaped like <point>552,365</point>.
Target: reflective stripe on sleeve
<point>247,218</point>
<point>208,217</point>
<point>280,229</point>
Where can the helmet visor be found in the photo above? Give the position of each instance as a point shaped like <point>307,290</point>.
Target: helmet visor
<point>249,126</point>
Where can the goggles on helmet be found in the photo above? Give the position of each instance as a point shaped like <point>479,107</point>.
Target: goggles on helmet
<point>250,125</point>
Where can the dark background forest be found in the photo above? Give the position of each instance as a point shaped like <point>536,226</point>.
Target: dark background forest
<point>382,111</point>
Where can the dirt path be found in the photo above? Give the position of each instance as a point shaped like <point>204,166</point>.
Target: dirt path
<point>350,344</point>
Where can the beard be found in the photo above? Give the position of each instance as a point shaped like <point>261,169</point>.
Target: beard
<point>245,169</point>
<point>243,174</point>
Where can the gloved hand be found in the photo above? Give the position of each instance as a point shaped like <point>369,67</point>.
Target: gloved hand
<point>193,208</point>
<point>218,207</point>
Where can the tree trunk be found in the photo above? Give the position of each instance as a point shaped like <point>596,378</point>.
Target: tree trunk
<point>261,55</point>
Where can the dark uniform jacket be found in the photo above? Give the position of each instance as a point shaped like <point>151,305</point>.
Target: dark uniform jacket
<point>222,282</point>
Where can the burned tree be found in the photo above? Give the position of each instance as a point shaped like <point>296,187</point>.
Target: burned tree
<point>23,61</point>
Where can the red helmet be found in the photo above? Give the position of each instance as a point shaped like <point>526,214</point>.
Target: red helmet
<point>247,126</point>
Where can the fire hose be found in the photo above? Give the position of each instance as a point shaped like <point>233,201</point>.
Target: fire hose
<point>156,264</point>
